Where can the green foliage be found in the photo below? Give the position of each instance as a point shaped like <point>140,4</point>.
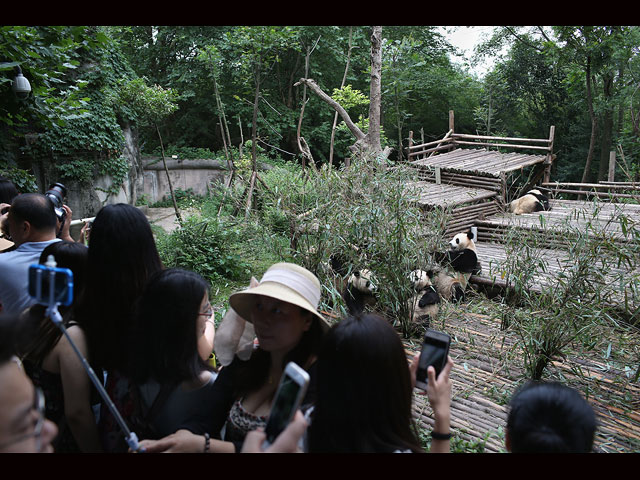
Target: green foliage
<point>144,104</point>
<point>24,181</point>
<point>203,245</point>
<point>584,293</point>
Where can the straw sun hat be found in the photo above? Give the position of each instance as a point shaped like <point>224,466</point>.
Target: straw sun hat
<point>287,282</point>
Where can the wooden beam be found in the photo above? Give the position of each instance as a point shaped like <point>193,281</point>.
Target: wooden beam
<point>507,139</point>
<point>510,145</point>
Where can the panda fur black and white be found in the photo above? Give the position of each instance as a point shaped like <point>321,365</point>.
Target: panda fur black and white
<point>462,260</point>
<point>533,201</point>
<point>359,292</point>
<point>425,303</point>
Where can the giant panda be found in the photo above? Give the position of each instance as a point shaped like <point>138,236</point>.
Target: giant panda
<point>359,292</point>
<point>448,287</point>
<point>424,304</point>
<point>533,201</point>
<point>462,260</point>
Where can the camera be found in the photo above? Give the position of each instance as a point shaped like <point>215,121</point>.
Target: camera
<point>56,194</point>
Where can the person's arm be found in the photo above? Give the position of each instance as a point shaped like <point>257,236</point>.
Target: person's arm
<point>184,441</point>
<point>439,395</point>
<point>76,387</point>
<point>64,233</point>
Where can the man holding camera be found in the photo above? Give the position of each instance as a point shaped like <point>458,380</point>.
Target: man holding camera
<point>32,224</point>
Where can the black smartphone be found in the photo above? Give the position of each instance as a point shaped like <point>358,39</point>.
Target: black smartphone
<point>435,350</point>
<point>291,390</point>
<point>40,280</point>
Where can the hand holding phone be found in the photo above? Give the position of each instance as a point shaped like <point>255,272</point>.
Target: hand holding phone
<point>435,351</point>
<point>291,390</point>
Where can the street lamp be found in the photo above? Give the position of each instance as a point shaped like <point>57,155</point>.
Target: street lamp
<point>21,86</point>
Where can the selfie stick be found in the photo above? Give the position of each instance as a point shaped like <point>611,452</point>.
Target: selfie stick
<point>53,313</point>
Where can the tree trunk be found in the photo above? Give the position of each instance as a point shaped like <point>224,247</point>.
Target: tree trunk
<point>606,137</point>
<point>304,150</point>
<point>132,154</point>
<point>164,162</point>
<point>594,125</point>
<point>335,115</point>
<point>375,96</point>
<point>254,137</point>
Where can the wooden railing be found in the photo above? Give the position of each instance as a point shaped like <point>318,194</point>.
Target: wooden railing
<point>453,140</point>
<point>613,190</point>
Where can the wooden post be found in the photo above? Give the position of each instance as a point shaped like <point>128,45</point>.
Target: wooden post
<point>410,143</point>
<point>612,165</point>
<point>549,160</point>
<point>451,120</point>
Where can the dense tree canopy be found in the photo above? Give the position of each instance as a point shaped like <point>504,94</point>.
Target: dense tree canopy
<point>583,80</point>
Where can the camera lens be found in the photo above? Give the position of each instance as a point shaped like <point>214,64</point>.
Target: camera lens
<point>56,194</point>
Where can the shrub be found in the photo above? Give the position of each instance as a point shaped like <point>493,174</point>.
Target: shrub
<point>203,246</point>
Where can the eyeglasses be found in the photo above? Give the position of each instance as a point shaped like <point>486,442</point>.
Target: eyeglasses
<point>208,312</point>
<point>39,407</point>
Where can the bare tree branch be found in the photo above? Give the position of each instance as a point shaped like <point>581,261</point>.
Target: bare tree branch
<point>326,98</point>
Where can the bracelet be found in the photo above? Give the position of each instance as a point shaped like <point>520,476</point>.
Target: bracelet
<point>440,436</point>
<point>207,438</point>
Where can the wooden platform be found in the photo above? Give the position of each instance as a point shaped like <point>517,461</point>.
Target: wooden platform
<point>480,161</point>
<point>566,216</point>
<point>462,204</point>
<point>446,195</point>
<point>495,270</point>
<point>487,370</point>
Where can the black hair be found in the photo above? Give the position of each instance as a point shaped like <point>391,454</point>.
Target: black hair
<point>36,209</point>
<point>364,390</point>
<point>71,255</point>
<point>8,190</point>
<point>122,256</point>
<point>255,371</point>
<point>164,341</point>
<point>548,417</point>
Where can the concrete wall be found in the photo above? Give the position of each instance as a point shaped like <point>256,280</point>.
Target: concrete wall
<point>199,175</point>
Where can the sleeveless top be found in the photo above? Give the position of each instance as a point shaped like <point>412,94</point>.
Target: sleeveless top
<point>240,422</point>
<point>51,385</point>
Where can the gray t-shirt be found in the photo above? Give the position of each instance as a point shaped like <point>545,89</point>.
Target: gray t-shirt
<point>14,275</point>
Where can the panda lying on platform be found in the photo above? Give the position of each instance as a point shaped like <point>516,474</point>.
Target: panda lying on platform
<point>424,305</point>
<point>462,260</point>
<point>533,201</point>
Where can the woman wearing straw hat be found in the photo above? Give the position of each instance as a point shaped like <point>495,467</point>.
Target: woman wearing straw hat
<point>283,311</point>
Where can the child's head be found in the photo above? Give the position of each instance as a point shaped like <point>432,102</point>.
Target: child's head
<point>547,417</point>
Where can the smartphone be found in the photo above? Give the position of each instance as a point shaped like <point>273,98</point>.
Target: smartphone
<point>291,390</point>
<point>435,350</point>
<point>40,278</point>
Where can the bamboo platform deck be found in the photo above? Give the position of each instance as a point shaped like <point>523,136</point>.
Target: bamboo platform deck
<point>464,204</point>
<point>494,260</point>
<point>567,216</point>
<point>446,195</point>
<point>480,161</point>
<point>487,370</point>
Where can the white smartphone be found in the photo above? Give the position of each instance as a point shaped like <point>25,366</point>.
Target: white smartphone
<point>435,350</point>
<point>291,390</point>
